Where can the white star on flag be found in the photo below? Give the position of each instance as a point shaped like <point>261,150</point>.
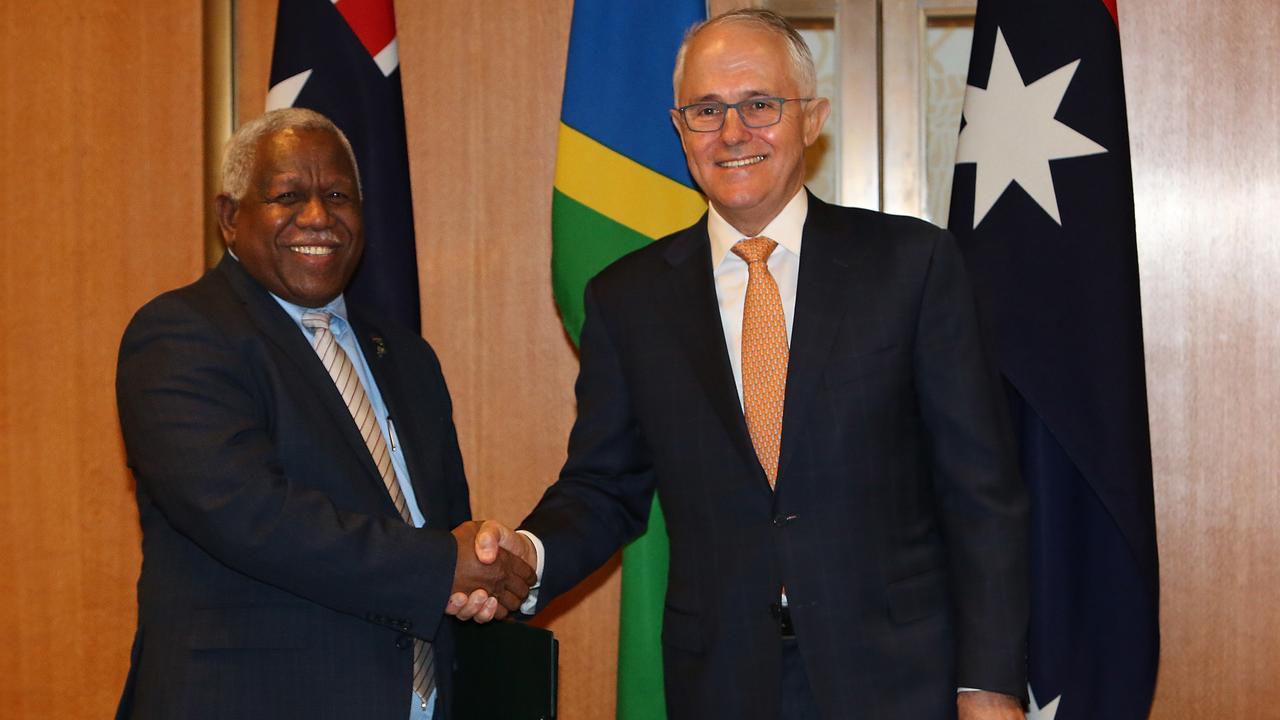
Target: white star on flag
<point>1035,712</point>
<point>1011,133</point>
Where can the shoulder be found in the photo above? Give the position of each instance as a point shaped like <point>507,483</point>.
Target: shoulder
<point>201,303</point>
<point>190,336</point>
<point>871,226</point>
<point>639,269</point>
<point>895,243</point>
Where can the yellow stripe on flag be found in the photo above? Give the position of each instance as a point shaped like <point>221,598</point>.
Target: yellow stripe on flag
<point>622,189</point>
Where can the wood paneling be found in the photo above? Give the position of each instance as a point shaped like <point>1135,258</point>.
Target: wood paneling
<point>255,31</point>
<point>100,195</point>
<point>1203,92</point>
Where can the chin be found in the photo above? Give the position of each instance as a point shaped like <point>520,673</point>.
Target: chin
<point>732,195</point>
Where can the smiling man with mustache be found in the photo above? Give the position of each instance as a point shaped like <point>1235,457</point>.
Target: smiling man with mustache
<point>297,468</point>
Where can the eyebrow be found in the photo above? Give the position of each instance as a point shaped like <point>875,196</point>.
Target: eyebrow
<point>717,97</point>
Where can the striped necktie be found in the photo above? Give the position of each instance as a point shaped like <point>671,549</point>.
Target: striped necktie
<point>764,354</point>
<point>344,376</point>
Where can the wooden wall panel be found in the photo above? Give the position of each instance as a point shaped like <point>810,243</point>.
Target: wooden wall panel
<point>100,190</point>
<point>255,30</point>
<point>1203,91</point>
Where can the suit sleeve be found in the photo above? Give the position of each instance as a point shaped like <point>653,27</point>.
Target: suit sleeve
<point>199,439</point>
<point>981,499</point>
<point>605,489</point>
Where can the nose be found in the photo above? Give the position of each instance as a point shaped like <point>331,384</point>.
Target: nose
<point>734,131</point>
<point>314,213</point>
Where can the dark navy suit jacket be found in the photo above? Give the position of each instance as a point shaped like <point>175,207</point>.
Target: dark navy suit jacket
<point>898,526</point>
<point>278,579</point>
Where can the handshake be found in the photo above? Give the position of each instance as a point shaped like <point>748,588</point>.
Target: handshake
<point>494,574</point>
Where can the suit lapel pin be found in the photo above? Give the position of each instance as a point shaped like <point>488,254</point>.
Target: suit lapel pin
<point>379,346</point>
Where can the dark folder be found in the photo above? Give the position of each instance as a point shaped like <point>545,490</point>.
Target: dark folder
<point>504,671</point>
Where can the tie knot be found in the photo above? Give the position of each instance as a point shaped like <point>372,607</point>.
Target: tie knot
<point>315,320</point>
<point>754,250</point>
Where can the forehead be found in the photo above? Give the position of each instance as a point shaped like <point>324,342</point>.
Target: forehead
<point>296,149</point>
<point>737,59</point>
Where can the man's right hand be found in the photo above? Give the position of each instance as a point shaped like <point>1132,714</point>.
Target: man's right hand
<point>488,581</point>
<point>494,536</point>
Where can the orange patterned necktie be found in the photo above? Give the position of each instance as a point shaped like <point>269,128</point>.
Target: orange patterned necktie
<point>764,354</point>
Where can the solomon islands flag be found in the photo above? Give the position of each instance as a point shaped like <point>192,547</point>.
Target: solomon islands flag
<point>1042,205</point>
<point>340,58</point>
<point>621,181</point>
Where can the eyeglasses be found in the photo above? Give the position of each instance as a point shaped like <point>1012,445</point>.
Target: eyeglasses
<point>756,112</point>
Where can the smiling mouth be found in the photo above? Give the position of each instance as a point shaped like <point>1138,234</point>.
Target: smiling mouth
<point>741,162</point>
<point>313,249</point>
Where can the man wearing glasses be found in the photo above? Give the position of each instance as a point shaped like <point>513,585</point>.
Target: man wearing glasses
<point>805,388</point>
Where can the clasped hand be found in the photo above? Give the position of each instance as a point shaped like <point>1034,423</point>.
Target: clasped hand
<point>489,580</point>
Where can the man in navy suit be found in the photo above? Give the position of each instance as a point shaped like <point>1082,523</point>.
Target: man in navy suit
<point>868,560</point>
<point>297,553</point>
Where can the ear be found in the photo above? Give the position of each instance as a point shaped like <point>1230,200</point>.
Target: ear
<point>681,131</point>
<point>815,116</point>
<point>226,209</point>
<point>678,124</point>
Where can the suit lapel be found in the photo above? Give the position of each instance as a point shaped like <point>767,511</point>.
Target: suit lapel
<point>692,310</point>
<point>280,330</point>
<point>828,275</point>
<point>405,414</point>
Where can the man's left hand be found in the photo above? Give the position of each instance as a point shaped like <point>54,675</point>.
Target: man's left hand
<point>982,705</point>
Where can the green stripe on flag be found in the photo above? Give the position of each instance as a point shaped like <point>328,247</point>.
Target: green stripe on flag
<point>585,243</point>
<point>641,694</point>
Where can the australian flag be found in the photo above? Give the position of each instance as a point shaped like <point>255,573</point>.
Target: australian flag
<point>340,58</point>
<point>1042,205</point>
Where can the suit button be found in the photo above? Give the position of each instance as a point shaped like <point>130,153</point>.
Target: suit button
<point>781,520</point>
<point>404,642</point>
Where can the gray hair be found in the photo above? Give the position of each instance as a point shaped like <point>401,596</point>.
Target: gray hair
<point>241,152</point>
<point>801,57</point>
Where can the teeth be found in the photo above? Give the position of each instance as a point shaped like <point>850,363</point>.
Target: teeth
<point>743,162</point>
<point>312,250</point>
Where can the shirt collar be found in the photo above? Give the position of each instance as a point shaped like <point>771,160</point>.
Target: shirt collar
<point>785,229</point>
<point>336,307</point>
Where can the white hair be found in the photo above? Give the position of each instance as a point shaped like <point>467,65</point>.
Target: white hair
<point>802,69</point>
<point>241,152</point>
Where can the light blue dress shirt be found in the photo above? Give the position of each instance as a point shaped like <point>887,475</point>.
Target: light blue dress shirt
<point>346,338</point>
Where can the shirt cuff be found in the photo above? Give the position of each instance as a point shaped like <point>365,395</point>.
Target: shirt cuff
<point>531,601</point>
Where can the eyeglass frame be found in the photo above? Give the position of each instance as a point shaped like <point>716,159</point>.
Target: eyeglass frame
<point>782,107</point>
